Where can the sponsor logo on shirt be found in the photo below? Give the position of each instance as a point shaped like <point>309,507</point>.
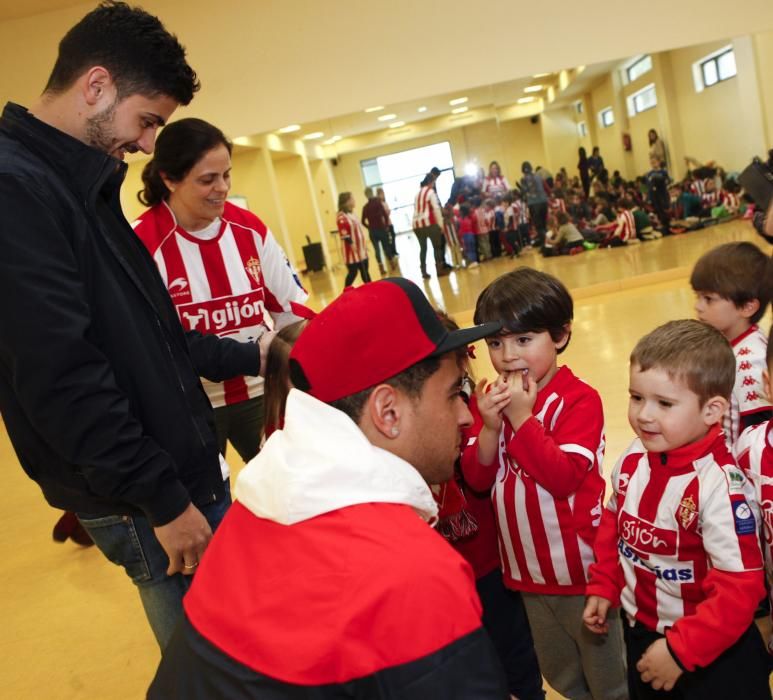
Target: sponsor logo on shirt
<point>683,575</point>
<point>179,288</point>
<point>224,315</point>
<point>743,517</point>
<point>646,537</point>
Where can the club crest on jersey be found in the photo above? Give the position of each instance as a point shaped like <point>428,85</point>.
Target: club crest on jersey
<point>687,512</point>
<point>253,268</point>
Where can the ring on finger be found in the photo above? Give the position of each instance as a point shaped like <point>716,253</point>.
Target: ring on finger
<point>190,566</point>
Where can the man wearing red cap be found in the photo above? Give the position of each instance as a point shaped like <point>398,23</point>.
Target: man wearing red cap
<point>324,580</point>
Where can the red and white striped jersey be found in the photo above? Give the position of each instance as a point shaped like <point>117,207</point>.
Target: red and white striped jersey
<point>493,186</point>
<point>485,219</point>
<point>517,213</point>
<point>625,228</point>
<point>556,205</point>
<point>225,283</point>
<point>710,199</point>
<point>676,520</point>
<point>426,208</point>
<point>547,488</point>
<point>678,541</point>
<point>754,452</point>
<point>731,201</point>
<point>698,186</point>
<point>748,395</point>
<point>355,245</point>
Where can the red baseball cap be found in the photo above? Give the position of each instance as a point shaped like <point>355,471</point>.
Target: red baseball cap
<point>370,334</point>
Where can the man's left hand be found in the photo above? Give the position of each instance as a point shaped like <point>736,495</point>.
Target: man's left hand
<point>658,668</point>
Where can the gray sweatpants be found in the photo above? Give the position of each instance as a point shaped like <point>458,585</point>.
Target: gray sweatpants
<point>576,662</point>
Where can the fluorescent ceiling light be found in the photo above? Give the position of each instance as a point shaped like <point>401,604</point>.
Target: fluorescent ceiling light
<point>534,88</point>
<point>395,125</point>
<point>314,135</point>
<point>290,129</point>
<point>331,141</point>
<point>457,101</point>
<point>459,110</point>
<point>422,109</point>
<point>526,100</point>
<point>374,109</point>
<point>387,117</point>
<point>541,75</point>
<point>242,141</point>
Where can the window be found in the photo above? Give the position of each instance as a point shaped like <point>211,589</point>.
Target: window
<point>400,174</point>
<point>582,129</point>
<point>606,117</point>
<point>642,100</point>
<point>639,67</point>
<point>578,106</point>
<point>714,68</point>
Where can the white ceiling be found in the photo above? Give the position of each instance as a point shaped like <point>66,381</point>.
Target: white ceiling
<point>13,9</point>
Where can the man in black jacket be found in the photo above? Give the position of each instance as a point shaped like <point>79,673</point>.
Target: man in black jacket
<point>99,385</point>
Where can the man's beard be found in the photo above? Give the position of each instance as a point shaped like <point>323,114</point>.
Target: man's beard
<point>99,131</point>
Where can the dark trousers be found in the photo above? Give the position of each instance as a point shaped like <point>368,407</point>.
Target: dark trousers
<point>241,424</point>
<point>354,268</point>
<point>380,239</point>
<point>740,672</point>
<point>496,243</point>
<point>504,618</point>
<point>435,236</point>
<point>539,217</point>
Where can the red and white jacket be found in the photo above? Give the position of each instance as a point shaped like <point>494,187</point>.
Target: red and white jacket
<point>426,208</point>
<point>493,186</point>
<point>547,487</point>
<point>355,246</point>
<point>517,213</point>
<point>625,226</point>
<point>236,284</point>
<point>556,205</point>
<point>748,395</point>
<point>678,547</point>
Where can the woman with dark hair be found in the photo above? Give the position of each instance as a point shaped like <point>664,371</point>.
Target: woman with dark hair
<point>596,162</point>
<point>495,184</point>
<point>223,268</point>
<point>584,169</point>
<point>657,148</point>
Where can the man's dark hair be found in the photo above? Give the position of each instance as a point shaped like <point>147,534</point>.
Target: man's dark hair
<point>527,301</point>
<point>141,56</point>
<point>179,147</point>
<point>736,271</point>
<point>410,381</point>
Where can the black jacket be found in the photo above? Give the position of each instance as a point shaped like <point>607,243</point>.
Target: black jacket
<point>99,384</point>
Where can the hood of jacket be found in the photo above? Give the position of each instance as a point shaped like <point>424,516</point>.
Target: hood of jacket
<point>320,462</point>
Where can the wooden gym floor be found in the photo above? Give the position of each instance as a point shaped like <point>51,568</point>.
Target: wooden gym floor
<point>72,624</point>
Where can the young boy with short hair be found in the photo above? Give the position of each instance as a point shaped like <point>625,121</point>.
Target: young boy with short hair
<point>732,289</point>
<point>539,444</point>
<point>677,545</point>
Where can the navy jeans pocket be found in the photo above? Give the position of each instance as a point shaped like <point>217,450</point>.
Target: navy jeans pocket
<point>117,538</point>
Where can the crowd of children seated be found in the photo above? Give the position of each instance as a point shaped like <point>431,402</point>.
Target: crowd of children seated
<point>482,222</point>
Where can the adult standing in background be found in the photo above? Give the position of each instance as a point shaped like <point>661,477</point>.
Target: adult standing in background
<point>657,147</point>
<point>596,162</point>
<point>427,224</point>
<point>495,184</point>
<point>536,198</point>
<point>224,270</point>
<point>374,218</point>
<point>390,226</point>
<point>99,384</point>
<point>353,237</point>
<point>584,167</point>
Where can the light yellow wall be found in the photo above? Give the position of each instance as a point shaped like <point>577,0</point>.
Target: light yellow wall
<point>608,139</point>
<point>763,44</point>
<point>559,132</point>
<point>295,197</point>
<point>521,141</point>
<point>131,185</point>
<point>250,179</point>
<point>326,191</point>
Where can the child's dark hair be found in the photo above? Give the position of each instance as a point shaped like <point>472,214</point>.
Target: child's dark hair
<point>277,383</point>
<point>736,271</point>
<point>562,217</point>
<point>527,301</point>
<point>464,210</point>
<point>141,56</point>
<point>691,351</point>
<point>179,147</point>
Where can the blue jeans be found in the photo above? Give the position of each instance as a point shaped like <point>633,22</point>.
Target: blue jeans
<point>129,541</point>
